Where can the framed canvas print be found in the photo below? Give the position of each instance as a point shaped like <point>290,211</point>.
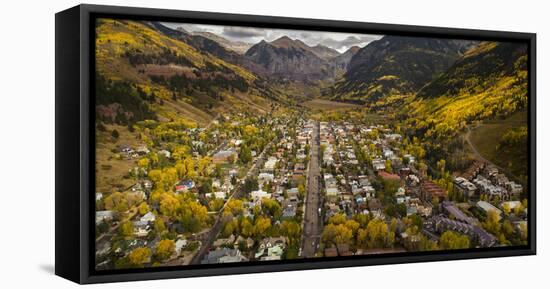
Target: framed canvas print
<point>193,144</point>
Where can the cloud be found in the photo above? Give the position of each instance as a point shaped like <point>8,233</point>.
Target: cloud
<point>352,40</point>
<point>335,40</point>
<point>243,32</point>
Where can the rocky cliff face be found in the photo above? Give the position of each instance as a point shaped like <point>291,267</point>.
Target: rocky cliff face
<point>341,62</point>
<point>290,59</point>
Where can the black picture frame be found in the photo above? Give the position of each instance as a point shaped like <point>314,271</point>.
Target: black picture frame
<point>75,150</point>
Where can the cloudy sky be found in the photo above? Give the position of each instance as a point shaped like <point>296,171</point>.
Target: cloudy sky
<point>338,41</point>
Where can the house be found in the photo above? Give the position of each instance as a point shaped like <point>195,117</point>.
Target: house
<point>332,191</point>
<point>487,187</point>
<point>266,177</point>
<point>374,206</point>
<point>431,190</point>
<point>216,195</point>
<point>104,216</point>
<point>289,210</point>
<point>327,158</point>
<point>270,164</point>
<point>271,249</point>
<point>165,153</point>
<point>400,192</point>
<point>224,156</point>
<point>378,164</point>
<point>292,194</point>
<point>141,229</point>
<point>511,204</point>
<point>404,172</point>
<point>125,149</point>
<point>248,242</point>
<point>142,150</point>
<point>486,207</point>
<point>258,195</point>
<point>393,137</point>
<point>330,181</point>
<point>388,177</point>
<point>98,196</point>
<point>273,253</point>
<point>147,184</point>
<point>478,235</point>
<point>180,244</point>
<point>332,210</point>
<point>410,158</point>
<point>412,180</point>
<point>184,185</point>
<point>216,184</point>
<point>149,217</point>
<point>514,188</point>
<point>224,255</point>
<point>411,210</point>
<point>220,195</point>
<point>457,214</point>
<point>387,153</point>
<point>224,241</point>
<point>464,187</point>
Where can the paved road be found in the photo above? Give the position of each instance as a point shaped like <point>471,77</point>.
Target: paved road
<point>312,222</point>
<point>208,239</point>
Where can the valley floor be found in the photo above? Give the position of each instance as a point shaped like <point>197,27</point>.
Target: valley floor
<point>250,188</point>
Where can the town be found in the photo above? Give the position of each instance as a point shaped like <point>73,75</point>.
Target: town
<point>287,186</point>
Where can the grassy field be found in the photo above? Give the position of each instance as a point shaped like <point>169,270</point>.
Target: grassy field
<point>327,105</point>
<point>487,135</point>
<point>110,169</point>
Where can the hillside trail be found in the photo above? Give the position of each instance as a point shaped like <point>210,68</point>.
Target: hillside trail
<point>480,157</point>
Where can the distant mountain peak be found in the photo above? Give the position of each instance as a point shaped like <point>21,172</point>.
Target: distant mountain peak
<point>325,52</point>
<point>287,42</point>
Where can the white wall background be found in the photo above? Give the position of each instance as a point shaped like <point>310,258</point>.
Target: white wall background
<point>27,143</point>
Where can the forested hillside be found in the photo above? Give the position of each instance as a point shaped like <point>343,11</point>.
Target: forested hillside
<point>396,65</point>
<point>167,76</point>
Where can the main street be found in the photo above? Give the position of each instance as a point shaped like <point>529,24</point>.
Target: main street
<point>312,219</point>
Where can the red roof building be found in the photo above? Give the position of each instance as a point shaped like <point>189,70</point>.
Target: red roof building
<point>388,177</point>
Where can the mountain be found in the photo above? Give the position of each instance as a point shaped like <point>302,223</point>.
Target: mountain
<point>397,65</point>
<point>237,46</point>
<point>158,72</point>
<point>207,44</point>
<point>324,52</point>
<point>488,61</point>
<point>289,59</point>
<point>489,80</point>
<point>342,61</point>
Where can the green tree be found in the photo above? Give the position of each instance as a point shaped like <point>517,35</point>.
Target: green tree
<point>450,241</point>
<point>492,224</point>
<point>139,256</point>
<point>165,249</point>
<point>378,235</point>
<point>117,201</point>
<point>261,226</point>
<point>245,155</point>
<point>143,208</point>
<point>126,229</point>
<point>159,226</point>
<point>247,229</point>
